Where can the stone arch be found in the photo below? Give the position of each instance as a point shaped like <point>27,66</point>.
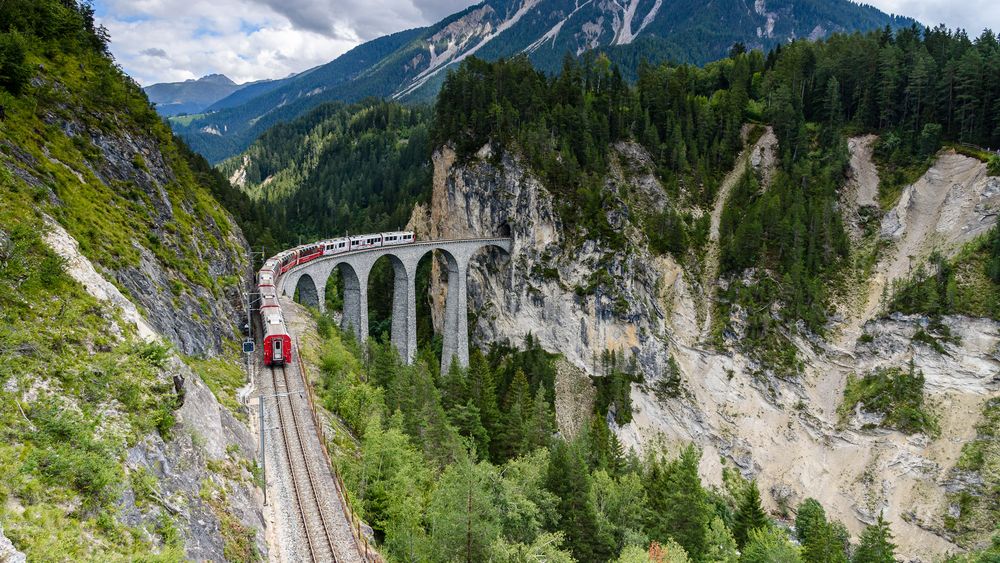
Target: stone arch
<point>305,289</point>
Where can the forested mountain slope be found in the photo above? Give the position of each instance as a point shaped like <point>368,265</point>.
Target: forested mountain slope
<point>120,297</point>
<point>411,65</point>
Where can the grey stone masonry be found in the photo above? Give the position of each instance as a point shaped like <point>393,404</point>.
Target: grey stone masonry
<point>310,280</point>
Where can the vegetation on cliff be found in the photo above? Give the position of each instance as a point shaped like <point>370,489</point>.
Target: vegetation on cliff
<point>80,144</point>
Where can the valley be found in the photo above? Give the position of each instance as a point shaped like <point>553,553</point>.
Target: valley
<point>718,282</point>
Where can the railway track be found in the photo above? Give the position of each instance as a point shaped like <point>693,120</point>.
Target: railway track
<point>316,528</point>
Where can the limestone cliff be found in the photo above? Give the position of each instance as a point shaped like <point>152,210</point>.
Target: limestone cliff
<point>579,299</point>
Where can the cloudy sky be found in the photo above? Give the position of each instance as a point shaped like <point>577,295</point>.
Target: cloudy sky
<point>174,40</point>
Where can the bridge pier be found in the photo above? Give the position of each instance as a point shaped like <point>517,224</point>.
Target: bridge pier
<point>404,308</point>
<point>355,301</point>
<point>456,316</point>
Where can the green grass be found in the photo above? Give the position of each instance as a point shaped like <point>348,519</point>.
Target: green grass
<point>77,387</point>
<point>894,393</point>
<point>224,376</point>
<point>970,151</point>
<point>959,286</point>
<point>72,399</point>
<point>185,120</point>
<point>979,503</point>
<point>894,176</point>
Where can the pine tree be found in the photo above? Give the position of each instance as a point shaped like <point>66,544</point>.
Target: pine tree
<point>750,515</point>
<point>876,544</point>
<point>679,508</point>
<point>454,387</point>
<point>809,518</point>
<point>720,546</point>
<point>768,544</point>
<point>483,389</point>
<point>568,479</point>
<point>463,519</point>
<point>542,425</point>
<point>517,415</point>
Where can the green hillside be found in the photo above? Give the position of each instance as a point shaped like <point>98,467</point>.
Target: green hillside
<point>80,144</point>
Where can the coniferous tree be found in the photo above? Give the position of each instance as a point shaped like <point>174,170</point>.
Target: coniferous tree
<point>750,516</point>
<point>768,544</point>
<point>569,480</point>
<point>679,508</point>
<point>517,417</point>
<point>483,389</point>
<point>876,544</point>
<point>720,546</point>
<point>542,423</point>
<point>809,518</point>
<point>464,521</point>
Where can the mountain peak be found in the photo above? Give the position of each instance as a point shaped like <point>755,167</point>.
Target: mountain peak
<point>216,78</point>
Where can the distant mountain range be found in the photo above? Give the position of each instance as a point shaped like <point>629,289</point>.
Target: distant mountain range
<point>208,93</point>
<point>410,65</point>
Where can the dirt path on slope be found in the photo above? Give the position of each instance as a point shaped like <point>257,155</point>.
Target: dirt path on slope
<point>861,189</point>
<point>761,156</point>
<point>912,224</point>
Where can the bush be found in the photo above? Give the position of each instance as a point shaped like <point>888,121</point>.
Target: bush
<point>993,166</point>
<point>895,394</point>
<point>14,70</point>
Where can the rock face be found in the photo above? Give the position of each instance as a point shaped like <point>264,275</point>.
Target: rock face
<point>189,288</point>
<point>208,451</point>
<point>8,553</point>
<point>208,504</point>
<point>543,288</point>
<point>784,431</point>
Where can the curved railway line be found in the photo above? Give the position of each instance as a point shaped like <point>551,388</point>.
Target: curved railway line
<point>316,528</point>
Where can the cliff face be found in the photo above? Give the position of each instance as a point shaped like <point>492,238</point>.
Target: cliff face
<point>785,431</point>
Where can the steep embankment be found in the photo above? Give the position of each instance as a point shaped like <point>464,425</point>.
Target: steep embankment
<point>120,281</point>
<point>952,203</point>
<point>787,432</point>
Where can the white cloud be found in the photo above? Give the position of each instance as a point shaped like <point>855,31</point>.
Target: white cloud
<point>174,40</point>
<point>971,15</point>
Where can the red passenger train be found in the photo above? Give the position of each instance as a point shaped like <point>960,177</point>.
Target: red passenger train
<point>277,342</point>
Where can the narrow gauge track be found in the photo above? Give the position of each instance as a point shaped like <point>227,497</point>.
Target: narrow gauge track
<point>317,531</point>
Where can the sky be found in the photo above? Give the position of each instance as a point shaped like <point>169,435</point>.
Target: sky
<point>175,40</point>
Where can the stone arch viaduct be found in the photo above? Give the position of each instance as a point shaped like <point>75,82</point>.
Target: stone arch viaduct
<point>310,280</point>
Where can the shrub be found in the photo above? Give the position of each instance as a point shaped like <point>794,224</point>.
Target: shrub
<point>993,166</point>
<point>895,394</point>
<point>14,70</point>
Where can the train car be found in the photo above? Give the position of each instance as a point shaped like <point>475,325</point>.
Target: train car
<point>396,238</point>
<point>269,300</point>
<point>287,259</point>
<point>268,272</point>
<point>277,342</point>
<point>362,242</point>
<point>335,246</point>
<point>309,252</point>
<point>265,279</point>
